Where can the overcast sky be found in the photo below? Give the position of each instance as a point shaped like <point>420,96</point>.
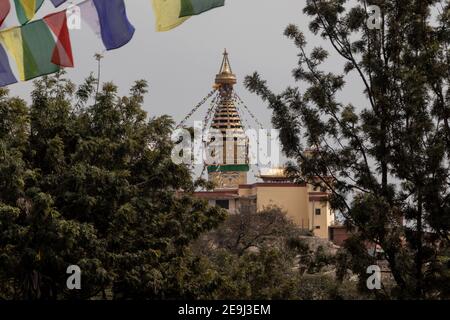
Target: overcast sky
<point>180,65</point>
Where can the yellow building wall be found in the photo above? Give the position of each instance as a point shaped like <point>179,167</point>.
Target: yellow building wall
<point>246,192</point>
<point>299,203</point>
<point>323,221</point>
<point>292,199</point>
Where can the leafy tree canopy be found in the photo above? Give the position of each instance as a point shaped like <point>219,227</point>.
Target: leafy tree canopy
<point>90,182</point>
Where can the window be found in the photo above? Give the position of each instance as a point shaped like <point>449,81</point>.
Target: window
<point>317,227</point>
<point>318,212</point>
<point>225,204</point>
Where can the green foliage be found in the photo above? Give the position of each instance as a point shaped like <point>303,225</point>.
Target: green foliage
<point>263,255</point>
<point>92,184</point>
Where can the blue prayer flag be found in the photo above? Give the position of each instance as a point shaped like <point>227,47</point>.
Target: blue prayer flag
<point>6,75</point>
<point>57,3</point>
<point>116,29</point>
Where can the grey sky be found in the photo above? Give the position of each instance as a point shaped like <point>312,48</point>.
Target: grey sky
<point>180,65</point>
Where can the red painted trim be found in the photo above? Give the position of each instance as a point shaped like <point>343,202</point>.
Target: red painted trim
<point>337,227</point>
<point>318,199</point>
<point>217,194</point>
<point>312,194</point>
<point>217,197</point>
<point>269,184</point>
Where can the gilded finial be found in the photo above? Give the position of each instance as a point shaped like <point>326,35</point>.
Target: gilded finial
<point>225,75</point>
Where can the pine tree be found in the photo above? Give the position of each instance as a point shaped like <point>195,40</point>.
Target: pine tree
<point>386,162</point>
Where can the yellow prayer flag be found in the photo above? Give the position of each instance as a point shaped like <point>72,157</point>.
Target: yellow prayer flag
<point>26,9</point>
<point>167,14</point>
<point>29,6</point>
<point>12,40</point>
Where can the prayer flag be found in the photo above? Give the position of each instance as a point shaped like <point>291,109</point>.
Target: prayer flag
<point>6,75</point>
<point>32,47</point>
<point>167,14</point>
<point>108,18</point>
<point>62,54</point>
<point>12,41</point>
<point>57,3</point>
<point>38,47</point>
<point>194,7</point>
<point>5,7</point>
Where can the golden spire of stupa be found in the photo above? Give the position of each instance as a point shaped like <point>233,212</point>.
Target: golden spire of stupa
<point>231,170</point>
<point>226,115</point>
<point>225,75</point>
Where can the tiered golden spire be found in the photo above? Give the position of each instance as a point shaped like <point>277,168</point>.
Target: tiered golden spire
<point>231,170</point>
<point>226,116</point>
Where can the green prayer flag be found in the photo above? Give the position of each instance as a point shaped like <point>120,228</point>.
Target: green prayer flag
<point>38,47</point>
<point>194,7</point>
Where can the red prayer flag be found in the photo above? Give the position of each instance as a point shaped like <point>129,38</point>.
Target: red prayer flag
<point>62,55</point>
<point>5,7</point>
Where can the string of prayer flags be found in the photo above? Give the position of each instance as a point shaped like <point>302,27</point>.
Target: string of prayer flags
<point>32,47</point>
<point>44,46</point>
<point>41,47</point>
<point>26,9</point>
